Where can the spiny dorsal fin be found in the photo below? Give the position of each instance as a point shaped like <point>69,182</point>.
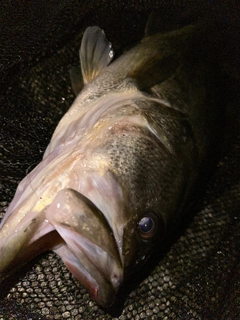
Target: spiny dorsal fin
<point>95,53</point>
<point>158,57</point>
<point>154,72</point>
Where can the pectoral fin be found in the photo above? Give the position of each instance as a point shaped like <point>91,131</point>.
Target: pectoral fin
<point>95,53</point>
<point>76,79</point>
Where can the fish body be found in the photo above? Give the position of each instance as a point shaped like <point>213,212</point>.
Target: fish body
<point>123,163</point>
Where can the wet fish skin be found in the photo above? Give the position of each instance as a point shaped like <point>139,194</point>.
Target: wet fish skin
<point>133,146</point>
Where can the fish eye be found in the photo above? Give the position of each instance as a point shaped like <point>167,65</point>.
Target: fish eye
<point>148,225</point>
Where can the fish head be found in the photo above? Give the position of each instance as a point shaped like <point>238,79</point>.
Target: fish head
<point>108,207</point>
<point>115,174</point>
<point>117,203</point>
<point>129,196</point>
<point>104,237</point>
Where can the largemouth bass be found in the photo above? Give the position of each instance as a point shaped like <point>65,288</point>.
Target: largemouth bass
<point>124,162</point>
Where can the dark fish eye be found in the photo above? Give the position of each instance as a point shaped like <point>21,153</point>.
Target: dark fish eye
<point>148,225</point>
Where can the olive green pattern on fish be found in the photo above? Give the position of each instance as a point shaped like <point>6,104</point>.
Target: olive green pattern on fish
<point>123,164</point>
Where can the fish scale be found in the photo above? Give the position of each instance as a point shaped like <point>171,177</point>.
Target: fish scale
<point>123,164</point>
<point>199,277</point>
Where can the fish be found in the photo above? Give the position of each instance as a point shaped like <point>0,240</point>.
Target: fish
<point>124,162</point>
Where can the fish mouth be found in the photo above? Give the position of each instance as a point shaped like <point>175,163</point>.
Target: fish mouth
<point>77,230</point>
<point>89,251</point>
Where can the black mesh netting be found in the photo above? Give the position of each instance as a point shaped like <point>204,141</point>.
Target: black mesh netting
<point>198,277</point>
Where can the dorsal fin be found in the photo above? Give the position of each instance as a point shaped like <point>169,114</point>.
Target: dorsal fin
<point>95,53</point>
<point>157,57</point>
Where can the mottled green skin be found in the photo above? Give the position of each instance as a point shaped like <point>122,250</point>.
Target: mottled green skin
<point>138,140</point>
<point>162,172</point>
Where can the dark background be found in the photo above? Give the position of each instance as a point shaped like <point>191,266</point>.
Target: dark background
<point>198,277</point>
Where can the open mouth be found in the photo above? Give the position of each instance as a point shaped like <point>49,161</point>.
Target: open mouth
<point>74,228</point>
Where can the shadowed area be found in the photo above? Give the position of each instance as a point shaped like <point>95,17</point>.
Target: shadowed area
<point>196,274</point>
